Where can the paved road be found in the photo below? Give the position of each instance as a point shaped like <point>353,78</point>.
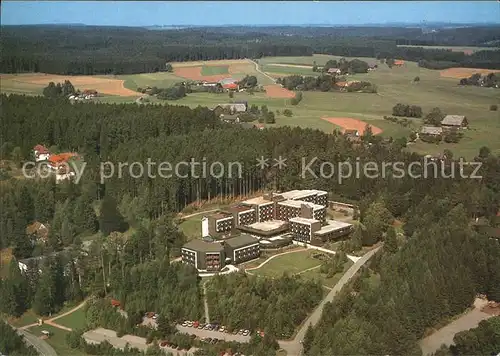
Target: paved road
<point>445,335</point>
<point>294,347</point>
<point>43,348</point>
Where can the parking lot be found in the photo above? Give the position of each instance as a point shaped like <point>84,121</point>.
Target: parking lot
<point>201,333</point>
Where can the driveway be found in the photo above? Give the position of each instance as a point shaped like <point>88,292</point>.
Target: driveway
<point>445,335</point>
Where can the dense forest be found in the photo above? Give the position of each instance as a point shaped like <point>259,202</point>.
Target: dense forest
<point>114,50</point>
<point>12,344</point>
<point>428,272</point>
<point>277,306</point>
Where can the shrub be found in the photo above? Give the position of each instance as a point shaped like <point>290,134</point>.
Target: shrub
<point>287,112</point>
<point>493,107</point>
<point>416,79</point>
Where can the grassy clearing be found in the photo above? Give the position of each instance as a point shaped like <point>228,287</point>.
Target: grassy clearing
<point>214,70</point>
<point>29,317</point>
<point>290,263</point>
<point>75,320</point>
<point>57,340</point>
<point>315,274</point>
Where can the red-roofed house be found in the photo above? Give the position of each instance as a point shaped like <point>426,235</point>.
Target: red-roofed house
<point>231,86</point>
<point>399,63</point>
<point>41,153</point>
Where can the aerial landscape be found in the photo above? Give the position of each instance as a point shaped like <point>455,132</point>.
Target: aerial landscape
<point>250,178</point>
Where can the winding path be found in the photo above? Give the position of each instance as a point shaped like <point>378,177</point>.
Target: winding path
<point>294,347</point>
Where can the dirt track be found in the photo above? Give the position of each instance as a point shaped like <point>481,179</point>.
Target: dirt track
<point>348,123</point>
<point>103,85</point>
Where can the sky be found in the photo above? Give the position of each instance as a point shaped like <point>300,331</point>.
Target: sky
<point>148,13</point>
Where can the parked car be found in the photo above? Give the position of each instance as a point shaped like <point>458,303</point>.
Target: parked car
<point>201,326</point>
<point>185,323</point>
<point>241,332</point>
<point>222,329</point>
<point>208,339</point>
<point>189,323</point>
<point>163,343</point>
<point>207,327</point>
<point>246,333</point>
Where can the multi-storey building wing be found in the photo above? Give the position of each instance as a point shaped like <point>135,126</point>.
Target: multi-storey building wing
<point>243,214</point>
<point>204,256</point>
<point>216,224</point>
<point>242,248</point>
<point>264,207</point>
<point>302,229</point>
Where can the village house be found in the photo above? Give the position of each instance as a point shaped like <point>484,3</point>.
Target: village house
<point>333,71</point>
<point>231,109</point>
<point>399,63</point>
<point>41,153</point>
<point>38,231</point>
<point>431,130</point>
<point>454,122</point>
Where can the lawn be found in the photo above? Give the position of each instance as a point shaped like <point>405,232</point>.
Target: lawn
<point>214,70</point>
<point>75,320</point>
<point>290,263</point>
<point>5,257</point>
<point>191,227</point>
<point>315,274</point>
<point>29,317</point>
<point>57,340</point>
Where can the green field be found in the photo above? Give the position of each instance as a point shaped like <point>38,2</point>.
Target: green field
<point>57,340</point>
<point>214,70</point>
<point>394,86</point>
<point>75,320</point>
<point>288,70</point>
<point>290,263</point>
<point>455,48</point>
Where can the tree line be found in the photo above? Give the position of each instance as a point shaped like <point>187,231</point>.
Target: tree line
<point>114,50</point>
<point>278,306</point>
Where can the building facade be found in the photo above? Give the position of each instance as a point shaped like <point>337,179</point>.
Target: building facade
<point>242,248</point>
<point>302,229</point>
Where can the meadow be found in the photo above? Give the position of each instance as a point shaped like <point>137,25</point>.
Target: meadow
<point>394,86</point>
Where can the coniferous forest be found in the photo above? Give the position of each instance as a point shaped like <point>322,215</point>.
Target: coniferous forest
<point>114,50</point>
<point>430,273</point>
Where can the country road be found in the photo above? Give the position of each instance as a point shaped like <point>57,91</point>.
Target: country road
<point>294,347</point>
<point>261,72</point>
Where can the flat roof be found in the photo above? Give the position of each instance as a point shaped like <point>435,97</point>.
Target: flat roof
<point>298,204</point>
<point>303,220</point>
<point>256,201</point>
<point>239,208</point>
<point>276,238</point>
<point>267,225</point>
<point>220,215</point>
<point>203,246</point>
<point>301,193</point>
<point>241,241</point>
<point>333,225</point>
